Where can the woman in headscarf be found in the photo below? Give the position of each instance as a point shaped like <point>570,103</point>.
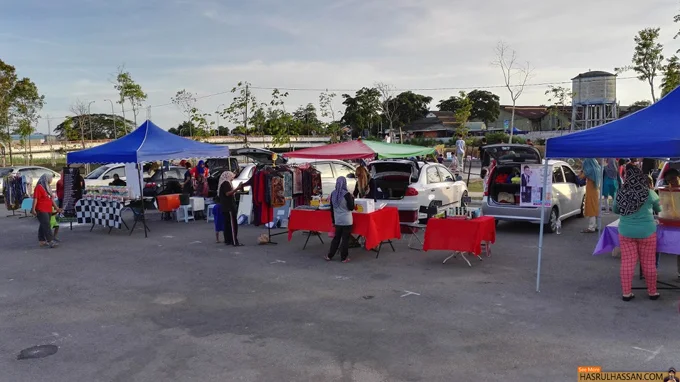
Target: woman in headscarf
<point>228,208</point>
<point>200,169</point>
<point>43,206</point>
<point>610,185</point>
<point>592,171</point>
<point>342,205</point>
<point>637,203</point>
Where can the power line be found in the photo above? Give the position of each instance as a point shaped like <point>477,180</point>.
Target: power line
<point>354,90</point>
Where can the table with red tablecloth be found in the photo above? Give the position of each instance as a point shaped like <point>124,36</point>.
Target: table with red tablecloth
<point>376,228</point>
<point>460,235</point>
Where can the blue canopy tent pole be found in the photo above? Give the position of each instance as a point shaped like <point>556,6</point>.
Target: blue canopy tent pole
<point>147,143</point>
<point>653,132</point>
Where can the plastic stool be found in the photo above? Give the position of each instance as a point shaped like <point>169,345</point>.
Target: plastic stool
<point>185,213</point>
<point>210,213</point>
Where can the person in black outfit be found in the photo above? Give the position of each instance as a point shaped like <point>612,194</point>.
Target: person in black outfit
<point>188,185</point>
<point>486,159</point>
<point>117,181</point>
<point>228,206</point>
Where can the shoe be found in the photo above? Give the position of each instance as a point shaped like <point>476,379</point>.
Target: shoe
<point>53,244</point>
<point>654,297</point>
<point>238,245</point>
<point>628,298</point>
<point>346,260</point>
<point>327,258</point>
<point>56,240</point>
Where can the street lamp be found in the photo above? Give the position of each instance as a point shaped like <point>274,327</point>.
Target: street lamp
<point>89,120</point>
<point>217,132</point>
<point>113,113</point>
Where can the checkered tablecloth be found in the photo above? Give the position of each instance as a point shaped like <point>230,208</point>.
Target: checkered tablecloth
<point>104,213</point>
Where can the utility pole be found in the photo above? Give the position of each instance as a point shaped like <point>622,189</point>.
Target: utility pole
<point>115,132</point>
<point>49,140</point>
<point>245,121</point>
<point>89,120</point>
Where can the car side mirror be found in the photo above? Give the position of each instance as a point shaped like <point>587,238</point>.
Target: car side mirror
<point>351,176</point>
<point>106,177</point>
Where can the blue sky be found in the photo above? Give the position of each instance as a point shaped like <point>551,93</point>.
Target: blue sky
<point>71,48</point>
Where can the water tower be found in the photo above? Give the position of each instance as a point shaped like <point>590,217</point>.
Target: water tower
<point>593,99</point>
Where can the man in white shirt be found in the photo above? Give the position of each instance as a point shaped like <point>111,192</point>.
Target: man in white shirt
<point>460,151</point>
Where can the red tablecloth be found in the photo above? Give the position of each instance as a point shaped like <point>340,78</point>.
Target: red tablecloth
<point>375,227</point>
<point>459,234</point>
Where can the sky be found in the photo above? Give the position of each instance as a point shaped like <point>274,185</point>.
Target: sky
<point>71,48</point>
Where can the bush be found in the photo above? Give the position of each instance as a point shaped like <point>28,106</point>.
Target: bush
<point>419,141</point>
<point>498,137</point>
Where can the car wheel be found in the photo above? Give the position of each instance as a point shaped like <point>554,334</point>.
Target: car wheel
<point>465,195</point>
<point>551,226</point>
<point>583,208</point>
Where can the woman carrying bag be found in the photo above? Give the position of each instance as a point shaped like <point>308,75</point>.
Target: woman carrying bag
<point>342,205</point>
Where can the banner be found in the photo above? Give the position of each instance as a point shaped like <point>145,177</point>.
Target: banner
<point>72,191</point>
<point>531,186</point>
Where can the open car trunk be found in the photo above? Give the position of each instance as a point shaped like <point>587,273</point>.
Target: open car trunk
<point>392,178</point>
<point>501,188</point>
<point>509,160</point>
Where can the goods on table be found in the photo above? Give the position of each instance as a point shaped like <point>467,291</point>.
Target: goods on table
<point>669,198</point>
<point>364,205</point>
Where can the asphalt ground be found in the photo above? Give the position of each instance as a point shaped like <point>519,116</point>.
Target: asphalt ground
<point>176,306</point>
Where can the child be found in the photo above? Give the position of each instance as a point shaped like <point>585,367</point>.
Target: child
<point>219,221</point>
<point>54,224</point>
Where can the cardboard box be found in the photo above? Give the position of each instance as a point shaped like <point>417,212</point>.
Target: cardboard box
<point>364,205</point>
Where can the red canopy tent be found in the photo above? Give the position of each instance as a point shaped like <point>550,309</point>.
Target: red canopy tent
<point>345,150</point>
<point>360,150</point>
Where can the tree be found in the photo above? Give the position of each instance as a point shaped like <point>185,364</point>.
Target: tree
<point>410,107</point>
<point>362,110</point>
<point>388,105</point>
<point>8,80</point>
<point>26,105</point>
<point>308,120</point>
<point>671,75</point>
<point>185,101</point>
<point>280,124</point>
<point>648,57</point>
<point>677,20</point>
<point>332,128</point>
<point>462,114</point>
<point>97,126</point>
<point>515,76</point>
<point>560,97</point>
<point>129,90</point>
<point>237,111</point>
<point>486,106</point>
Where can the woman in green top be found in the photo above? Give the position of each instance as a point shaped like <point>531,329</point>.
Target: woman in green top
<point>636,203</point>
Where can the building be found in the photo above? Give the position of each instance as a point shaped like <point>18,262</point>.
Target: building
<point>35,139</point>
<point>533,118</point>
<point>440,124</point>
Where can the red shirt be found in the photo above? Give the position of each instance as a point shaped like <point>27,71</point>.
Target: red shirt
<point>44,202</point>
<point>60,189</point>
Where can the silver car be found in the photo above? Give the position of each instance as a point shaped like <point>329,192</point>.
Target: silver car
<point>568,195</point>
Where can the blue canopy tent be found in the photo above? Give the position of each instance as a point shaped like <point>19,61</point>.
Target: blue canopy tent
<point>148,143</point>
<point>653,132</point>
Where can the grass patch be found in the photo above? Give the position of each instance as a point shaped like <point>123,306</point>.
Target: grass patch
<point>476,186</point>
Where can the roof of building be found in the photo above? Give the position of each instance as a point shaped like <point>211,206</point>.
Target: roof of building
<point>594,73</point>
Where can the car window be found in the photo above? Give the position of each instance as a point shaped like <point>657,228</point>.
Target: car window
<point>97,172</point>
<point>445,174</point>
<point>342,170</point>
<point>119,170</point>
<point>558,177</point>
<point>569,175</point>
<point>26,172</point>
<point>325,170</point>
<point>432,175</point>
<point>5,171</point>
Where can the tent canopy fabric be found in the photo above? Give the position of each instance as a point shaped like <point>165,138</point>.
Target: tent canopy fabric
<point>360,149</point>
<point>653,132</point>
<point>148,143</point>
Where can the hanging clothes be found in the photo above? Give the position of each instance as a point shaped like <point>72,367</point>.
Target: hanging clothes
<point>297,181</point>
<point>277,194</point>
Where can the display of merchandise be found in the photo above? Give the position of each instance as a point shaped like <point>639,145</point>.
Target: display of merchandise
<point>119,193</point>
<point>15,191</point>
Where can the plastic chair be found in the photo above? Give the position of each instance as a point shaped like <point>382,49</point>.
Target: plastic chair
<point>197,205</point>
<point>184,212</point>
<point>26,206</point>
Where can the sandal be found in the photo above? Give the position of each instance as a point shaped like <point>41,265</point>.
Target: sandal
<point>654,297</point>
<point>327,258</point>
<point>628,298</point>
<point>346,260</point>
<point>589,230</point>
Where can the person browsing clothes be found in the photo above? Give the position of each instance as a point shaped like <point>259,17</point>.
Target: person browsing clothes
<point>228,208</point>
<point>592,171</point>
<point>342,205</point>
<point>637,203</point>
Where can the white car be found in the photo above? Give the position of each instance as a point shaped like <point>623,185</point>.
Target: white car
<point>412,186</point>
<point>330,170</point>
<point>103,175</point>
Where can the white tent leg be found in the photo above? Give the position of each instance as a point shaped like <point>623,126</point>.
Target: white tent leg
<point>541,229</point>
